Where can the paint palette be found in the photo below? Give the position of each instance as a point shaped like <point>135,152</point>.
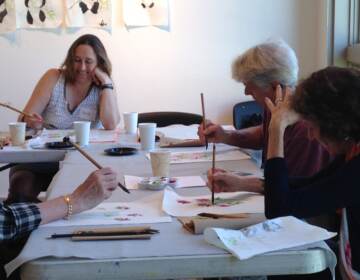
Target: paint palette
<point>121,151</point>
<point>58,145</point>
<point>157,183</point>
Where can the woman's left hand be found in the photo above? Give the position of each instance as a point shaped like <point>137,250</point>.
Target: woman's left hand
<point>100,77</point>
<point>281,113</point>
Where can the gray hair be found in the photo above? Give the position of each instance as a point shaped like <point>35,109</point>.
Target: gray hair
<point>266,63</point>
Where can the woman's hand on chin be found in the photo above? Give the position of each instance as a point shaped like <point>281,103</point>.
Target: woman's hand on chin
<point>100,77</point>
<point>281,113</point>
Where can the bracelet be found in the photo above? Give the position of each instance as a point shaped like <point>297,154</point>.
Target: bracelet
<point>104,86</point>
<point>69,207</point>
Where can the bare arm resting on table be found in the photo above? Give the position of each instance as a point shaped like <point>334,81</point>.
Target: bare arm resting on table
<point>20,218</point>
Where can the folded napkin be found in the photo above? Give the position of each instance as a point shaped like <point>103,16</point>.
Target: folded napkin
<point>268,236</point>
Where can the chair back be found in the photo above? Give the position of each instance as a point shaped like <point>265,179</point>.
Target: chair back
<point>168,118</point>
<point>247,114</point>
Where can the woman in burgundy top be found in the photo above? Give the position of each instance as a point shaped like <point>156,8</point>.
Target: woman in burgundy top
<point>261,69</point>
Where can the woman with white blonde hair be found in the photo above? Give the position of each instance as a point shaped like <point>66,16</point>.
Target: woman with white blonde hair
<point>266,63</point>
<point>261,69</point>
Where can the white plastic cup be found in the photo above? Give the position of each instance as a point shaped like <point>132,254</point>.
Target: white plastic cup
<point>147,135</point>
<point>130,122</point>
<point>160,163</point>
<point>82,132</point>
<point>17,133</point>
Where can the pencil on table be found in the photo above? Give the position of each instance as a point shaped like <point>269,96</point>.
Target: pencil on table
<point>204,118</point>
<point>86,155</point>
<point>212,171</point>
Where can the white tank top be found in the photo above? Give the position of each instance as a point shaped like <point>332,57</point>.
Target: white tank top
<point>57,113</point>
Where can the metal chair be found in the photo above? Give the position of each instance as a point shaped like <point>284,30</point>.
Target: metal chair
<point>247,114</point>
<point>168,118</point>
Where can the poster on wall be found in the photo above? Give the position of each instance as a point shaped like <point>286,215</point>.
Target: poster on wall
<point>146,13</point>
<point>7,16</point>
<point>39,13</point>
<point>88,13</point>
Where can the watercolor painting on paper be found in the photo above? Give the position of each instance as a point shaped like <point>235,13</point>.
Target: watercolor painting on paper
<point>88,13</point>
<point>225,203</point>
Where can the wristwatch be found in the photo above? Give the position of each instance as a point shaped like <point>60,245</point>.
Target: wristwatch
<point>104,86</point>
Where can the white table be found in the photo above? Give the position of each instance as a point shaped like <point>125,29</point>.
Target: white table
<point>21,155</point>
<point>174,253</point>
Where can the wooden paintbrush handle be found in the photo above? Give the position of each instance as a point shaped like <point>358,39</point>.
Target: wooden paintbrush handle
<point>111,237</point>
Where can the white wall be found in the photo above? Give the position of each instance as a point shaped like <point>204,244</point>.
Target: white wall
<point>159,70</point>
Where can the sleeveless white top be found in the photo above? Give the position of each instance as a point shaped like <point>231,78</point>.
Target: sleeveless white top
<point>57,113</point>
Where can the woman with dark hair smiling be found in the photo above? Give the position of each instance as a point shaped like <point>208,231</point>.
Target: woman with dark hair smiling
<point>81,90</point>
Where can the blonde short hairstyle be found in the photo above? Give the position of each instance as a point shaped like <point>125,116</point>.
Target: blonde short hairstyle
<point>272,61</point>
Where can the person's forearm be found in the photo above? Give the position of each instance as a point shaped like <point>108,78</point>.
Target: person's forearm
<point>53,210</point>
<point>249,138</point>
<point>276,141</point>
<point>254,184</point>
<point>109,113</point>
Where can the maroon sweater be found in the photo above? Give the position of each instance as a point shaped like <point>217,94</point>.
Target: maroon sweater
<point>303,157</point>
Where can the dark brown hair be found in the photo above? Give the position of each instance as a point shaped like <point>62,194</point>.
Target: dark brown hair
<point>103,61</point>
<point>330,98</point>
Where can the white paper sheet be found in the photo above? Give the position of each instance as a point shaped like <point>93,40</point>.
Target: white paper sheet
<point>7,16</point>
<point>178,131</point>
<point>88,13</point>
<point>57,135</point>
<point>206,156</point>
<point>271,235</point>
<point>225,203</point>
<point>143,211</point>
<point>39,14</point>
<point>131,182</point>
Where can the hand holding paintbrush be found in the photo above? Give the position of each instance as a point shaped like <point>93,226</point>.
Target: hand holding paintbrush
<point>34,117</point>
<point>212,171</point>
<point>87,156</point>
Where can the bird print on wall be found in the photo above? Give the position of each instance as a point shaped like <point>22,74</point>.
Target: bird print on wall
<point>84,6</point>
<point>35,6</point>
<point>3,10</point>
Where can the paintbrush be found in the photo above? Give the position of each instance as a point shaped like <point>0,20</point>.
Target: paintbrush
<point>25,114</point>
<point>212,171</point>
<point>119,231</point>
<point>225,216</point>
<point>204,119</point>
<point>86,155</point>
